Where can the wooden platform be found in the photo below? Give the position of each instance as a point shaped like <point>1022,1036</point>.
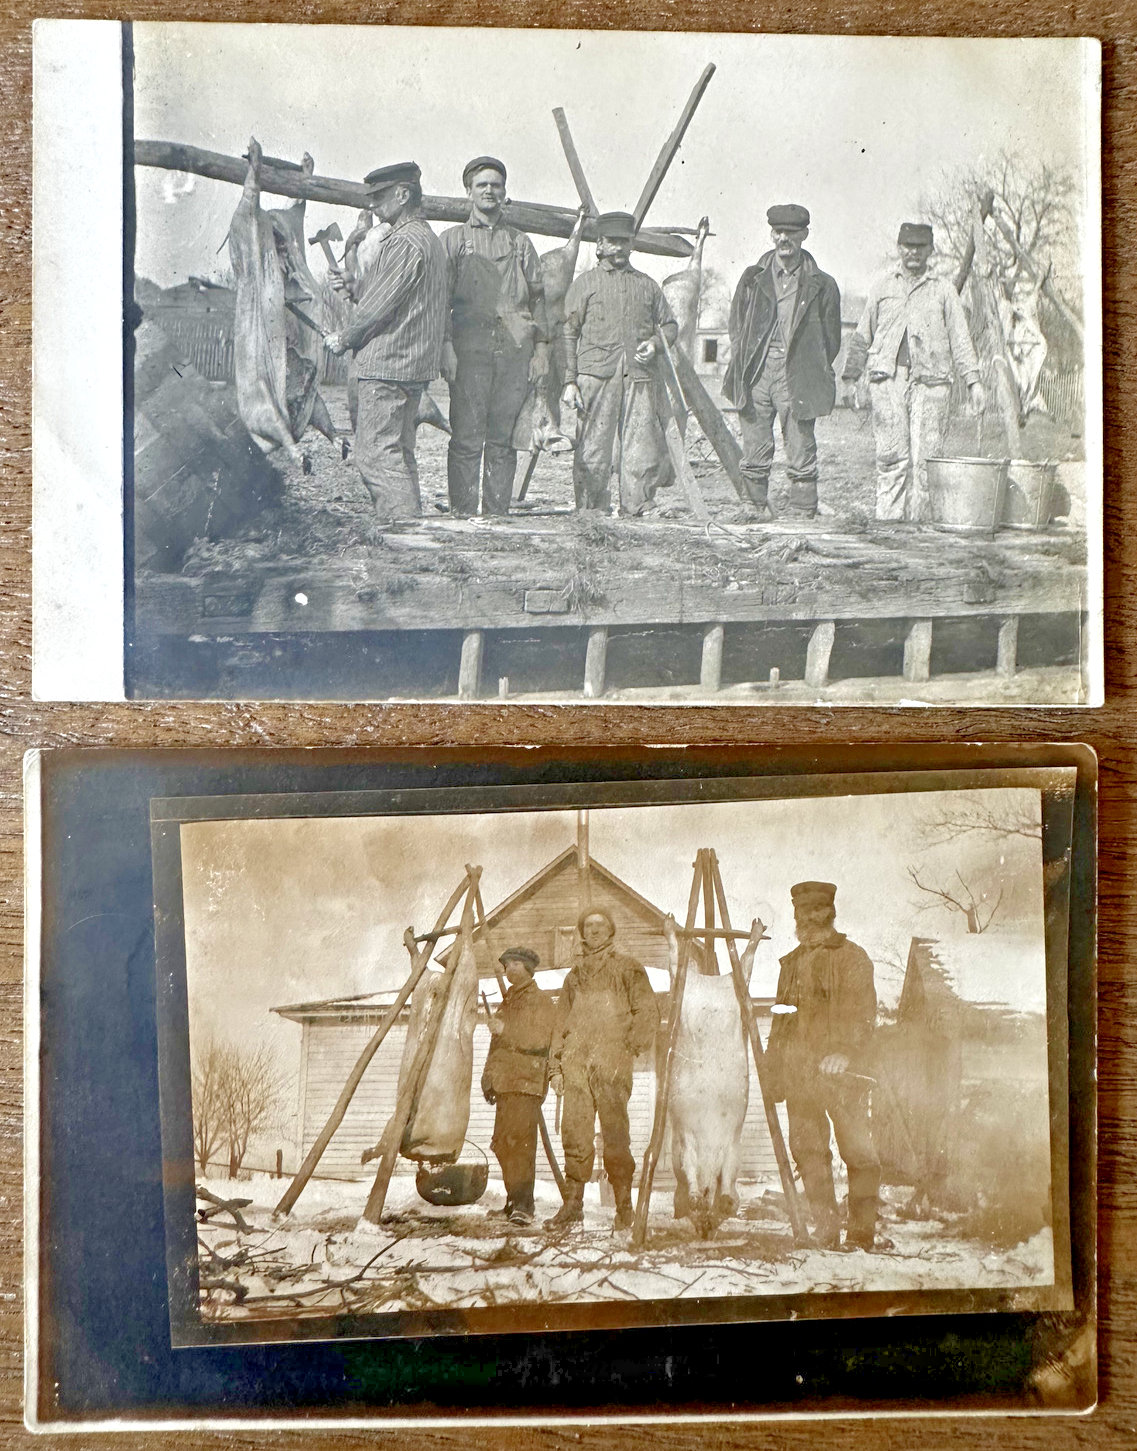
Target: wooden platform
<point>596,576</point>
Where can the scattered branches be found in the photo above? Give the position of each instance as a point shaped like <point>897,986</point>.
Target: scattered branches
<point>960,899</point>
<point>965,815</point>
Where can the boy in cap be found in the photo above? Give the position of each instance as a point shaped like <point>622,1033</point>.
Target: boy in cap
<point>515,1078</point>
<point>612,316</point>
<point>497,341</point>
<point>785,331</point>
<point>396,335</point>
<point>606,1017</point>
<point>912,339</point>
<point>823,1021</point>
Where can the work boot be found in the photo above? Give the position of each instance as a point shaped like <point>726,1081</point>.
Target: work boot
<point>861,1233</point>
<point>572,1210</point>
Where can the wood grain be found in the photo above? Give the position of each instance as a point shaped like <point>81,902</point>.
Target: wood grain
<point>1112,730</point>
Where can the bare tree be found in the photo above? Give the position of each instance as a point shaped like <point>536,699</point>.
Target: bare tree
<point>714,299</point>
<point>960,898</point>
<point>962,815</point>
<point>206,1088</point>
<point>236,1094</point>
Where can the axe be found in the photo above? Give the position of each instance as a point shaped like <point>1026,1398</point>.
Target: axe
<point>325,239</point>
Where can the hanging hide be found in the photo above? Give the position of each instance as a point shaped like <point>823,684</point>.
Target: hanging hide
<point>683,291</point>
<point>437,1128</point>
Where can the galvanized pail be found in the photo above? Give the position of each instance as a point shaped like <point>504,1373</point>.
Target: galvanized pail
<point>1029,500</point>
<point>453,1183</point>
<point>966,494</point>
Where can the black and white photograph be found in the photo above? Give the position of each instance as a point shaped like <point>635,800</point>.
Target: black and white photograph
<point>661,368</point>
<point>432,1068</point>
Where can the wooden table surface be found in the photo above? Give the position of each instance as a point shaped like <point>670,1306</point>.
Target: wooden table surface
<point>1112,730</point>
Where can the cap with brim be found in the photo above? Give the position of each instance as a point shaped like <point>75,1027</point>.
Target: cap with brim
<point>482,163</point>
<point>384,176</point>
<point>915,234</point>
<point>521,954</point>
<point>813,892</point>
<point>615,225</point>
<point>789,215</point>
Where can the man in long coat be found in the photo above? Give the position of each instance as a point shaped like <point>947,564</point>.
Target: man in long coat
<point>516,1078</point>
<point>823,1022</point>
<point>606,1017</point>
<point>785,331</point>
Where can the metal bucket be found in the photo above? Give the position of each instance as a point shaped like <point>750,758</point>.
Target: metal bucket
<point>1029,501</point>
<point>966,494</point>
<point>453,1183</point>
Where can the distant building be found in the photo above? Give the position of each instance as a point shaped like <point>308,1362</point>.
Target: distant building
<point>712,352</point>
<point>542,915</point>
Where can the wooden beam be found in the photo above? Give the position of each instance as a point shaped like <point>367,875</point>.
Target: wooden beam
<point>670,147</point>
<point>277,180</point>
<point>710,666</point>
<point>596,662</point>
<point>1006,659</point>
<point>987,295</point>
<point>817,653</point>
<point>918,651</point>
<point>1030,266</point>
<point>711,421</point>
<point>963,272</point>
<point>579,180</point>
<point>470,666</point>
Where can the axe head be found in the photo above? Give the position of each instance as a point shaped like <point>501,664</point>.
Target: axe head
<point>329,234</point>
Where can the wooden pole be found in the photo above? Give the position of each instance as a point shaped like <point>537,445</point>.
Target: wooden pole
<point>595,662</point>
<point>418,966</point>
<point>279,179</point>
<point>773,1124</point>
<point>986,202</point>
<point>674,439</point>
<point>409,1091</point>
<point>708,965</point>
<point>579,180</point>
<point>710,665</point>
<point>711,421</point>
<point>663,1087</point>
<point>670,147</point>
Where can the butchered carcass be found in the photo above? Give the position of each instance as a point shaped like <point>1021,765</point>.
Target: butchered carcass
<point>683,290</point>
<point>558,268</point>
<point>437,1128</point>
<point>1026,344</point>
<point>710,1091</point>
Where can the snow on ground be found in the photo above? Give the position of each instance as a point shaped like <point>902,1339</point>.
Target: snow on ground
<point>325,1259</point>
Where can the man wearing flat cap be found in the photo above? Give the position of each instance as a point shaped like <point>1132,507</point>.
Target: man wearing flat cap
<point>615,318</point>
<point>912,340</point>
<point>822,1024</point>
<point>516,1078</point>
<point>785,331</point>
<point>606,1018</point>
<point>497,341</point>
<point>395,333</point>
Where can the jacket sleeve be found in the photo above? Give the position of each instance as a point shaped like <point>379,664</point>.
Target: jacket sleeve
<point>831,318</point>
<point>401,268</point>
<point>861,341</point>
<point>858,1001</point>
<point>963,354</point>
<point>560,1022</point>
<point>738,310</point>
<point>576,305</point>
<point>644,1023</point>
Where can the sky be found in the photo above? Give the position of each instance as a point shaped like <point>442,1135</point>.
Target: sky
<point>854,128</point>
<point>285,911</point>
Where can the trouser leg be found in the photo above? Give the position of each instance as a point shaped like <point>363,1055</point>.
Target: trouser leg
<point>510,384</point>
<point>592,461</point>
<point>611,1096</point>
<point>470,394</point>
<point>515,1146</point>
<point>644,464</point>
<point>809,1144</point>
<point>578,1126</point>
<point>852,1129</point>
<point>384,446</point>
<point>757,419</point>
<point>889,399</point>
<point>801,459</point>
<point>928,407</point>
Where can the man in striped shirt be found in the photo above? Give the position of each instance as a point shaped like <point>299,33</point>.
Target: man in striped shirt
<point>396,336</point>
<point>496,341</point>
<point>614,317</point>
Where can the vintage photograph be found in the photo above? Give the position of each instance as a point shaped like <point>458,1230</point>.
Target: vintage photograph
<point>624,366</point>
<point>441,1068</point>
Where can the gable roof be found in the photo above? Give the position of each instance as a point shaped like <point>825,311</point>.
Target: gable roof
<point>987,970</point>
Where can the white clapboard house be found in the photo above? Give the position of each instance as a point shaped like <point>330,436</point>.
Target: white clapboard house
<point>542,915</point>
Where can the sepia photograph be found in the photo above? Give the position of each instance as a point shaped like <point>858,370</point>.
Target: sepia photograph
<point>434,1069</point>
<point>711,368</point>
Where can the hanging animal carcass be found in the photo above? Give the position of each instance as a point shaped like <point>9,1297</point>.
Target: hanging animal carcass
<point>1026,343</point>
<point>436,1129</point>
<point>684,289</point>
<point>276,383</point>
<point>710,1091</point>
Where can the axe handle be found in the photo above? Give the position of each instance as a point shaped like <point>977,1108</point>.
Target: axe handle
<point>328,253</point>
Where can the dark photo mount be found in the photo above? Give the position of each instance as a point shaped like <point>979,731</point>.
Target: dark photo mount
<point>94,1358</point>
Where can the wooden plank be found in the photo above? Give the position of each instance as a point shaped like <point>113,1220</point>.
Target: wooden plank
<point>817,653</point>
<point>710,666</point>
<point>692,494</point>
<point>918,651</point>
<point>670,147</point>
<point>1006,659</point>
<point>711,421</point>
<point>579,180</point>
<point>545,220</point>
<point>470,668</point>
<point>595,662</point>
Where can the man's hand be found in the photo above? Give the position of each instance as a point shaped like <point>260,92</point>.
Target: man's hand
<point>496,1026</point>
<point>557,1082</point>
<point>570,398</point>
<point>448,363</point>
<point>646,350</point>
<point>849,393</point>
<point>671,932</point>
<point>539,363</point>
<point>976,398</point>
<point>487,1092</point>
<point>335,344</point>
<point>835,1063</point>
<point>338,279</point>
